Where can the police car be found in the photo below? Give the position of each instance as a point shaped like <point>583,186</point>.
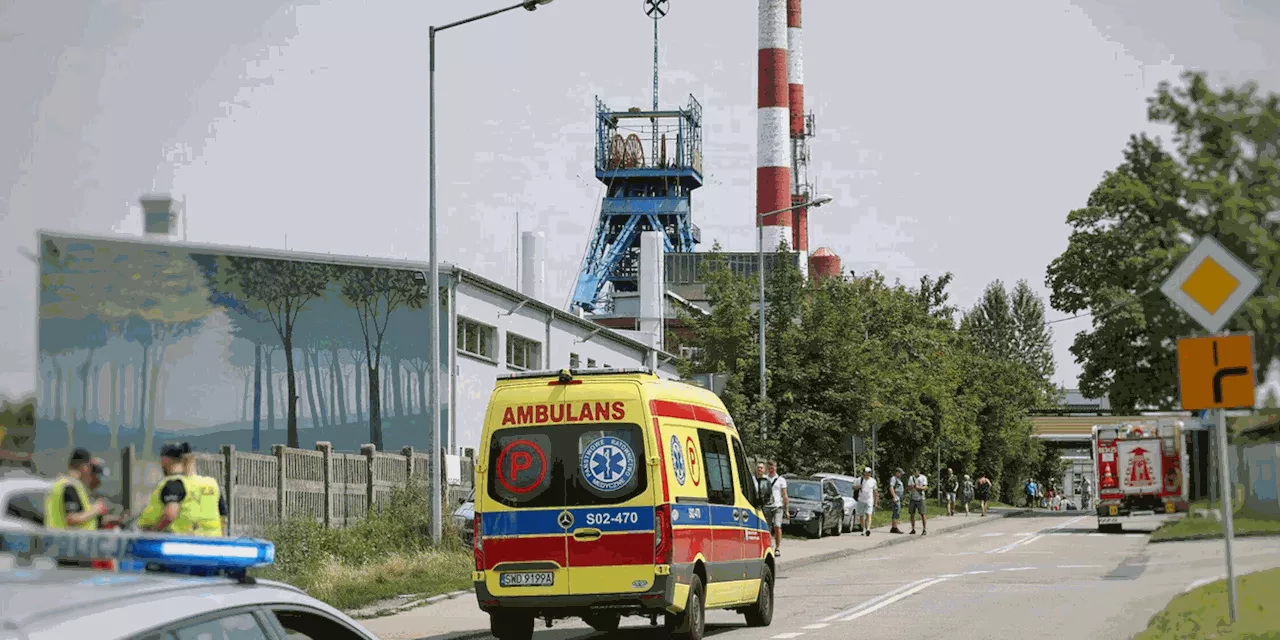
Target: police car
<point>166,588</point>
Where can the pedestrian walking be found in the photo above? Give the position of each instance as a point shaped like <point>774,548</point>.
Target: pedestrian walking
<point>867,500</point>
<point>1086,494</point>
<point>950,486</point>
<point>1030,488</point>
<point>983,492</point>
<point>895,493</point>
<point>966,492</point>
<point>918,488</point>
<point>777,508</point>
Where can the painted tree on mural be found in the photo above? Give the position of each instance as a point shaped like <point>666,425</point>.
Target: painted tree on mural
<point>375,294</point>
<point>281,289</point>
<point>157,298</point>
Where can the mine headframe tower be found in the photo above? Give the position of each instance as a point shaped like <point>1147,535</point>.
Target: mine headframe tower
<point>645,190</point>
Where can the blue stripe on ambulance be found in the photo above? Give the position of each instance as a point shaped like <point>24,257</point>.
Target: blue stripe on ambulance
<point>547,521</point>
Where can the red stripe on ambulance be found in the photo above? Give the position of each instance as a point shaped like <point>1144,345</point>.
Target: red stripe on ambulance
<point>686,411</point>
<point>612,549</point>
<point>525,549</point>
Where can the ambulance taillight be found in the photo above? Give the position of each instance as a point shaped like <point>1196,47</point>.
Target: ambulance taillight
<point>477,542</point>
<point>662,535</point>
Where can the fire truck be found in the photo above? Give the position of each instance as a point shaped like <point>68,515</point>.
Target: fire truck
<point>1140,469</point>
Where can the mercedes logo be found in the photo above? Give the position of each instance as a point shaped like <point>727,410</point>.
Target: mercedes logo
<point>565,519</point>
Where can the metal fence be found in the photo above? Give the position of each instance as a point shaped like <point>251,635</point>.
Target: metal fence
<point>332,488</point>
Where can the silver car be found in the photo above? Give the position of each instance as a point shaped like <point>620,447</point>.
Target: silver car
<point>44,602</point>
<point>845,485</point>
<point>22,500</point>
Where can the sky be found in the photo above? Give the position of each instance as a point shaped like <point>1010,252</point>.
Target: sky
<point>953,136</point>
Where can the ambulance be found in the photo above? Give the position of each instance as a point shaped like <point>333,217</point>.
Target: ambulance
<point>604,493</point>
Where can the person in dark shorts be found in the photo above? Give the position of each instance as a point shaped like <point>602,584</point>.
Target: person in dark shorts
<point>896,490</point>
<point>918,488</point>
<point>983,491</point>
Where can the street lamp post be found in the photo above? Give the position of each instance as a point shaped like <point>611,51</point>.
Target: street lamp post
<point>433,298</point>
<point>815,203</point>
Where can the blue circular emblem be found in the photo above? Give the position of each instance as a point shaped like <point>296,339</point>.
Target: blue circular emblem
<point>677,459</point>
<point>608,464</point>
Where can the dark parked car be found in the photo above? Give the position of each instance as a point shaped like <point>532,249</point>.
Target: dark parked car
<point>816,507</point>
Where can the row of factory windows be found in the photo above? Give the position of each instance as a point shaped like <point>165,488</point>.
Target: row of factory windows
<point>481,341</point>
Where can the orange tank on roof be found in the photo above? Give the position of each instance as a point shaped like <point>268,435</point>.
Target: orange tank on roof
<point>824,263</point>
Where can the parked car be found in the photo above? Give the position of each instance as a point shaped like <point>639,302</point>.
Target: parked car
<point>465,516</point>
<point>816,507</point>
<point>847,487</point>
<point>22,498</point>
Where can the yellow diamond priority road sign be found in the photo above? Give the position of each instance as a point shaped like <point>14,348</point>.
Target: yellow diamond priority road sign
<point>1211,284</point>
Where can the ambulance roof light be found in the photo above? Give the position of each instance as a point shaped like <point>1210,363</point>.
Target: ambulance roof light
<point>226,555</point>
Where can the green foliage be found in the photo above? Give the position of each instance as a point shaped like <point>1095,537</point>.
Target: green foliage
<point>846,354</point>
<point>385,555</point>
<point>1219,177</point>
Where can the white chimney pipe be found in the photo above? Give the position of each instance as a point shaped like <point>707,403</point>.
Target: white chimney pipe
<point>533,264</point>
<point>652,286</point>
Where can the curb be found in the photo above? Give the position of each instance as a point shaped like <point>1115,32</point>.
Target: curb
<point>844,553</point>
<point>1218,536</point>
<point>411,604</point>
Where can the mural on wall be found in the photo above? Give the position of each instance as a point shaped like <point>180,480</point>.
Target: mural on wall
<point>142,343</point>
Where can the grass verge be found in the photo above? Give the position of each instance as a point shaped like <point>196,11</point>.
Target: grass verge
<point>384,556</point>
<point>1244,523</point>
<point>1203,613</point>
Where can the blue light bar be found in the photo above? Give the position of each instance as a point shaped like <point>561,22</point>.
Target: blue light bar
<point>233,555</point>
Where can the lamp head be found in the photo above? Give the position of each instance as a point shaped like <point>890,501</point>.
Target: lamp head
<point>821,200</point>
<point>532,5</point>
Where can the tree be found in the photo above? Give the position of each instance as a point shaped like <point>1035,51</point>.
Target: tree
<point>374,293</point>
<point>1220,178</point>
<point>281,289</point>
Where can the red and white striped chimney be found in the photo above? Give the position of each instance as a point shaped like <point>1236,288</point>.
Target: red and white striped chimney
<point>795,90</point>
<point>773,146</point>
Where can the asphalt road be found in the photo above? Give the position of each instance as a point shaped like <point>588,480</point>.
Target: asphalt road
<point>1043,575</point>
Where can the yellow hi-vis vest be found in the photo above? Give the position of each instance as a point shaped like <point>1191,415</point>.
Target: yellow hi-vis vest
<point>197,513</point>
<point>55,507</point>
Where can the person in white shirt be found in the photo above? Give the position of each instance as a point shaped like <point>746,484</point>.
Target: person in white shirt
<point>866,500</point>
<point>777,508</point>
<point>918,487</point>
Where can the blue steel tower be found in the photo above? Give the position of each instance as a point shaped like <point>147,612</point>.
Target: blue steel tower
<point>645,190</point>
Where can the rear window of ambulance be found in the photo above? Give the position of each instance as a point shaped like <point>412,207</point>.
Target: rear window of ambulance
<point>567,465</point>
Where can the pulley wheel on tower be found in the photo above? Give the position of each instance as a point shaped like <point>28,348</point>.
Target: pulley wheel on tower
<point>635,152</point>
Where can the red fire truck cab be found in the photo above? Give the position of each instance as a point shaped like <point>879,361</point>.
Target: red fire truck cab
<point>1140,469</point>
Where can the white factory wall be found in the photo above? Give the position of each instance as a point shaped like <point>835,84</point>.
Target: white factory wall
<point>559,335</point>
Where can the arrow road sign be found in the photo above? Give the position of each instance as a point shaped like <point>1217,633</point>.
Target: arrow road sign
<point>1210,284</point>
<point>1216,372</point>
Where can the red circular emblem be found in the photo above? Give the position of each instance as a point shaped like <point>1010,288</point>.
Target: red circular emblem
<point>518,463</point>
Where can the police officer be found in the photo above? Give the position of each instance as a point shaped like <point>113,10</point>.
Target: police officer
<point>67,505</point>
<point>184,502</point>
<point>99,472</point>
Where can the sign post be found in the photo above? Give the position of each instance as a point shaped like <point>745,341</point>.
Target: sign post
<point>1215,372</point>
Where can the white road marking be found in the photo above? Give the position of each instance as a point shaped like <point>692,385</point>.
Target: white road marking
<point>874,600</point>
<point>991,535</point>
<point>1019,569</point>
<point>1024,533</point>
<point>788,636</point>
<point>976,573</point>
<point>1096,533</point>
<point>819,625</point>
<point>1020,542</point>
<point>949,575</point>
<point>888,601</point>
<point>1202,581</point>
